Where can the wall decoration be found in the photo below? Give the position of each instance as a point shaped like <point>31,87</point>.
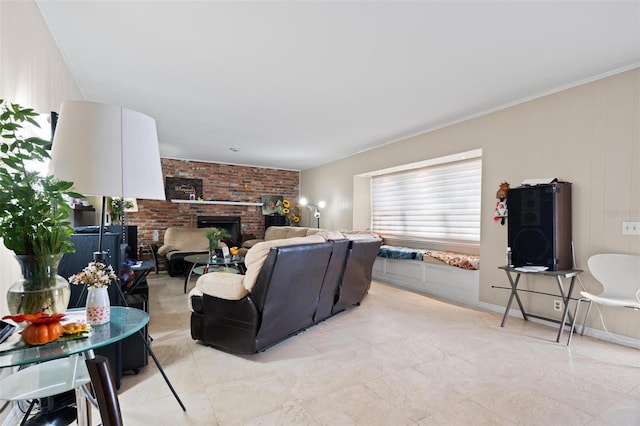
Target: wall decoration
<point>183,188</point>
<point>501,211</point>
<point>272,204</point>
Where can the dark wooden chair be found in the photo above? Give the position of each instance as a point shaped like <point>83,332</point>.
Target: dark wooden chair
<point>105,391</point>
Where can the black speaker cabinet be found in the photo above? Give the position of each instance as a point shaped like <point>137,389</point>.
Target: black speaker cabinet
<point>274,220</point>
<point>539,225</point>
<point>71,263</point>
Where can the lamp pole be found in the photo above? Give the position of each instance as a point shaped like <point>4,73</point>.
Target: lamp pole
<point>316,214</point>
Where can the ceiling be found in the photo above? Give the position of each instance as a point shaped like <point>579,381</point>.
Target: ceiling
<point>294,85</point>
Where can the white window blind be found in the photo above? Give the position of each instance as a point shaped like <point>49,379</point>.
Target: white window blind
<point>435,203</point>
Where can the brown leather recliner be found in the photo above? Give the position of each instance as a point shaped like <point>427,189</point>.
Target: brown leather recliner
<point>290,285</point>
<point>357,274</point>
<point>282,302</point>
<point>332,280</point>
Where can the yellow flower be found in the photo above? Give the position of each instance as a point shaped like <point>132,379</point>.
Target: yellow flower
<point>291,212</point>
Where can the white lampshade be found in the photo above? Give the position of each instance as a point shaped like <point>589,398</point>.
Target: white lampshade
<point>107,151</point>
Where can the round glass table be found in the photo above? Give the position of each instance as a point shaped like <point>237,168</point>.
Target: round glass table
<point>123,323</point>
<point>59,366</point>
<point>203,263</point>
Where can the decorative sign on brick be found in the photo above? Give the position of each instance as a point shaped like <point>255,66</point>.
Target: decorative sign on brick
<point>182,188</point>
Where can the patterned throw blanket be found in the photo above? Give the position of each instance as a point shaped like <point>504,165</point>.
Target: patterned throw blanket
<point>459,260</point>
<point>464,261</point>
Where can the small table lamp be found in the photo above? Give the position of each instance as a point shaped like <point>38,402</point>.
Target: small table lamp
<point>107,151</point>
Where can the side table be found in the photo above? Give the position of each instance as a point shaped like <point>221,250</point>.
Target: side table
<point>140,274</point>
<point>558,275</point>
<point>150,249</point>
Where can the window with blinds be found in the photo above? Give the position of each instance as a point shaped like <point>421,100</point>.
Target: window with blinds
<point>435,203</point>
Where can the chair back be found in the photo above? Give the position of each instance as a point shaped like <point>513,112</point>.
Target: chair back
<point>619,274</point>
<point>105,391</point>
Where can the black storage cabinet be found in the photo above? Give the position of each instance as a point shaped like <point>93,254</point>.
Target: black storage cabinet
<point>129,353</point>
<point>274,220</point>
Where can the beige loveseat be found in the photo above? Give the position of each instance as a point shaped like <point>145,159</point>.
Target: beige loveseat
<point>180,242</point>
<point>283,232</point>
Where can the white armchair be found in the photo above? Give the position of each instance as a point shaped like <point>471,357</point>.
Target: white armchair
<point>619,275</point>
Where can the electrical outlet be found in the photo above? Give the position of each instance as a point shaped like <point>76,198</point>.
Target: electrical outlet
<point>557,305</point>
<point>630,228</point>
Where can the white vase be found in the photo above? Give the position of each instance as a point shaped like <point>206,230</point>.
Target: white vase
<point>98,306</point>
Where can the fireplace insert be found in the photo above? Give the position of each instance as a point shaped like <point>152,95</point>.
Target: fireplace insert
<point>230,223</point>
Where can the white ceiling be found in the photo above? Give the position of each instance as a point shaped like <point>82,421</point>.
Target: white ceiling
<point>298,84</point>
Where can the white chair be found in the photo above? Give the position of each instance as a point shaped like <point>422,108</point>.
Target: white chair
<point>619,275</point>
<point>47,379</point>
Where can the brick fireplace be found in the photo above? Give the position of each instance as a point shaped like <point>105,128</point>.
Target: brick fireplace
<point>224,182</point>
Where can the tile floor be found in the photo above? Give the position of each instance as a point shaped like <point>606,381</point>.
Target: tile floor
<point>399,358</point>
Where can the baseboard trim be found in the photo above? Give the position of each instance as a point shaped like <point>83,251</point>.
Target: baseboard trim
<point>591,332</point>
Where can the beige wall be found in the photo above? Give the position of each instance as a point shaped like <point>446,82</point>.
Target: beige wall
<point>33,74</point>
<point>588,135</point>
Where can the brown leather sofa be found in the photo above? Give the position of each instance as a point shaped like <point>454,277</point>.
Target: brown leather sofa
<point>298,283</point>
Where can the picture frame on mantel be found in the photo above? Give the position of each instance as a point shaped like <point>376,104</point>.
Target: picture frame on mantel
<point>177,188</point>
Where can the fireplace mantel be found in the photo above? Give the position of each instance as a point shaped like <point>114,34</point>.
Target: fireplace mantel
<point>226,203</point>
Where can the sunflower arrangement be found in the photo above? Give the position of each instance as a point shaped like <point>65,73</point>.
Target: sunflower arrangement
<point>291,213</point>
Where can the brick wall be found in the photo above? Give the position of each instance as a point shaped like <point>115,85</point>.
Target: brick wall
<point>220,182</point>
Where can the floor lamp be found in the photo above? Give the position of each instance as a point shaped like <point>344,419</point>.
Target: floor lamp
<point>108,151</point>
<point>316,213</point>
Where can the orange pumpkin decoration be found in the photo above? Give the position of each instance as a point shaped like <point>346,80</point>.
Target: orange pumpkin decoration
<point>42,329</point>
<point>39,334</point>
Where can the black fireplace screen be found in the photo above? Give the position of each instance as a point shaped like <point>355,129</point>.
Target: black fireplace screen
<point>230,223</point>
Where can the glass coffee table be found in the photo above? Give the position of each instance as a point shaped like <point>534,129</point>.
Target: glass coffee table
<point>56,367</point>
<point>203,263</point>
<point>52,374</point>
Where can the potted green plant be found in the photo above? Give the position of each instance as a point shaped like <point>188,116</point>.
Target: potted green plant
<point>34,216</point>
<point>214,235</point>
<point>117,206</point>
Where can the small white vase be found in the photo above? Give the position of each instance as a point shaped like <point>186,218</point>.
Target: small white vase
<point>98,306</point>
